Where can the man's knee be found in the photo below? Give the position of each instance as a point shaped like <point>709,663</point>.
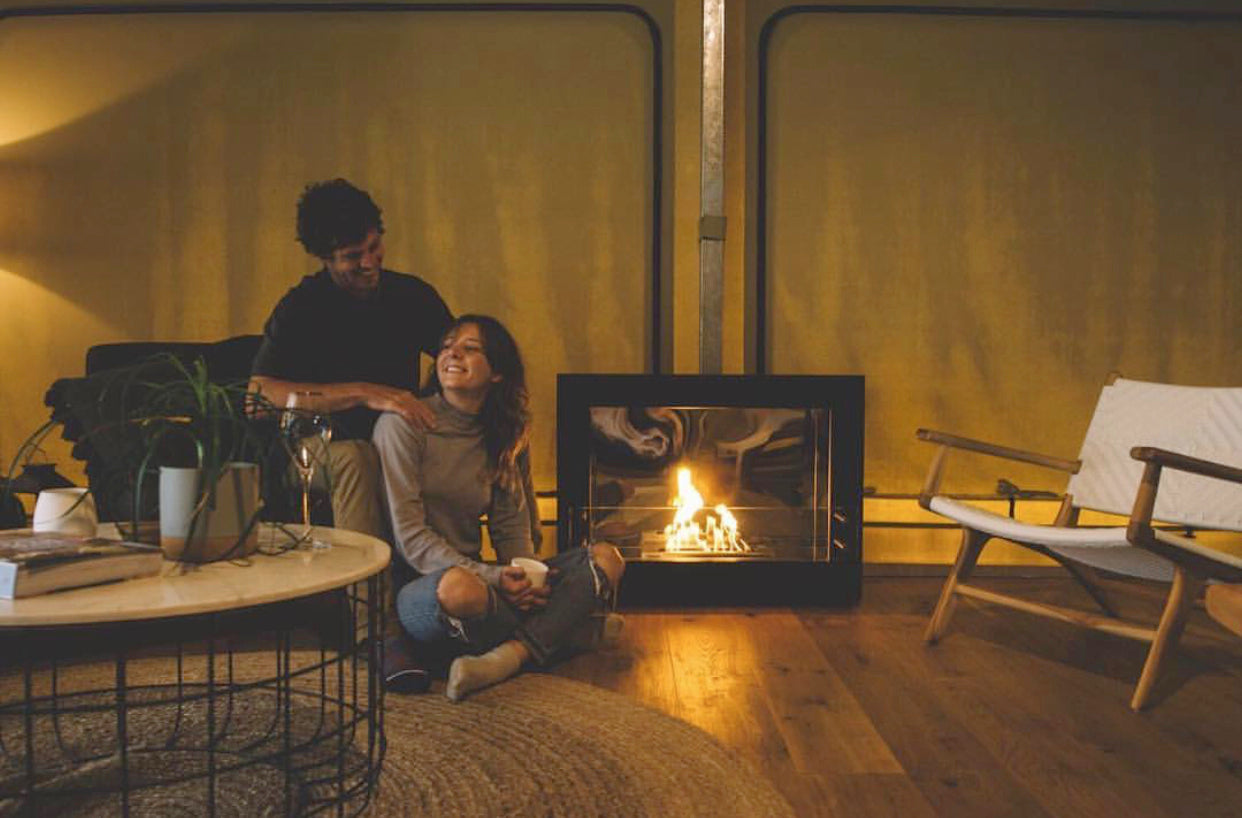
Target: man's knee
<point>610,561</point>
<point>462,594</point>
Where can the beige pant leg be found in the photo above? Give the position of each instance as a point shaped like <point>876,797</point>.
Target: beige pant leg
<point>354,472</point>
<point>357,497</point>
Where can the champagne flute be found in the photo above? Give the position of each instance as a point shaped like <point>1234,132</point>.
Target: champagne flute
<point>306,429</point>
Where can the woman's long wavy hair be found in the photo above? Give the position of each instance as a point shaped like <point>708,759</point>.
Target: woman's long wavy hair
<point>505,415</point>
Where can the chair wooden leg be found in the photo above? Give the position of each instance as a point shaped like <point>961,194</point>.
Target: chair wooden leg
<point>1085,575</point>
<point>1172,621</point>
<point>972,544</point>
<point>1088,579</point>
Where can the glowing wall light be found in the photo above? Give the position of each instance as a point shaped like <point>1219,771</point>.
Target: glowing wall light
<point>56,70</point>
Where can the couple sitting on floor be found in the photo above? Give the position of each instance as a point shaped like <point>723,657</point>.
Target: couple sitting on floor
<point>354,332</point>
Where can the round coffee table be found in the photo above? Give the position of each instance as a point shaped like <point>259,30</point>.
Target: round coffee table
<point>232,687</point>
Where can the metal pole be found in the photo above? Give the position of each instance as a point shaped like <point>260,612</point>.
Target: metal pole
<point>711,189</point>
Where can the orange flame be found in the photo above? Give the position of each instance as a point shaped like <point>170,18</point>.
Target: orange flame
<point>718,533</point>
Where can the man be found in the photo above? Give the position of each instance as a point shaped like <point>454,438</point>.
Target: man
<point>353,332</point>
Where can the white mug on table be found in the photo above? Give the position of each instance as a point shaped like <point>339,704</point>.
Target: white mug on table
<point>65,511</point>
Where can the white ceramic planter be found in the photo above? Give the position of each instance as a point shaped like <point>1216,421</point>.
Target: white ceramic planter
<point>65,511</point>
<point>221,524</point>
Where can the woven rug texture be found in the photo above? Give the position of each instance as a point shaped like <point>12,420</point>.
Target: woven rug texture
<point>542,745</point>
<point>537,745</point>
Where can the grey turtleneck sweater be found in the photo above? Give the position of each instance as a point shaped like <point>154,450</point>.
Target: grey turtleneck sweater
<point>435,494</point>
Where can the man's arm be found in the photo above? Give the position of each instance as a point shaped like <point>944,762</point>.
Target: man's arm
<point>296,325</point>
<point>340,396</point>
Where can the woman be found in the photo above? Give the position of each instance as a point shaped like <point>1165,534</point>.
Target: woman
<point>438,482</point>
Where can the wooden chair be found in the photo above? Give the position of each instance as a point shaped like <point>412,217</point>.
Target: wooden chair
<point>1194,565</point>
<point>1119,471</point>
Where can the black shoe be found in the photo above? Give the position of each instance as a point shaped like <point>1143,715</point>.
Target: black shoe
<point>402,673</point>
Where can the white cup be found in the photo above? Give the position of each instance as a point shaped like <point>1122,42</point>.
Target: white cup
<point>535,570</point>
<point>66,511</point>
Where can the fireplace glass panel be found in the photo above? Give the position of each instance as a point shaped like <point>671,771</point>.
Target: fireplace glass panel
<point>711,483</point>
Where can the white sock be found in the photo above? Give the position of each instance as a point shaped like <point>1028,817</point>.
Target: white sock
<point>610,634</point>
<point>470,673</point>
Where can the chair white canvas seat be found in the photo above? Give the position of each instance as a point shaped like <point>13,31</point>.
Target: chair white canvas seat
<point>1152,452</point>
<point>1104,548</point>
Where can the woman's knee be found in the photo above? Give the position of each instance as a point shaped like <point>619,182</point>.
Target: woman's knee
<point>462,594</point>
<point>610,561</point>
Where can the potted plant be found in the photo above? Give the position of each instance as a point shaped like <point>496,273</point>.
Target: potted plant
<point>161,435</point>
<point>207,448</point>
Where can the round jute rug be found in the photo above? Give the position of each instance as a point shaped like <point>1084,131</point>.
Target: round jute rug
<point>537,745</point>
<point>541,745</point>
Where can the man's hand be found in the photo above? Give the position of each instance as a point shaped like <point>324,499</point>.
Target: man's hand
<point>518,592</point>
<point>390,399</point>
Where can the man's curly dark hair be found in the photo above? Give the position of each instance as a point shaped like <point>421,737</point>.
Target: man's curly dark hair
<point>335,214</point>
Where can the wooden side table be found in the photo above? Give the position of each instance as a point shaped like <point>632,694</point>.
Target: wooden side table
<point>216,684</point>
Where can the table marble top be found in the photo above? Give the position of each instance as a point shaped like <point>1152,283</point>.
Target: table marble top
<point>184,589</point>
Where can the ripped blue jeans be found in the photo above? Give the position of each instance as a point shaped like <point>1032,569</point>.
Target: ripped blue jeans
<point>580,591</point>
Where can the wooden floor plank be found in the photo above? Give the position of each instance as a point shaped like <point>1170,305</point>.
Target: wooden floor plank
<point>714,659</point>
<point>1072,690</point>
<point>639,666</point>
<point>887,669</point>
<point>1023,714</point>
<point>823,725</point>
<point>852,795</point>
<point>850,714</point>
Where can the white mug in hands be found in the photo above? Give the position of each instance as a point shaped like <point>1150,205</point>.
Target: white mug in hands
<point>535,570</point>
<point>65,511</point>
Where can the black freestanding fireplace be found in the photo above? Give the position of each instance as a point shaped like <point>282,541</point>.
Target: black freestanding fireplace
<point>717,489</point>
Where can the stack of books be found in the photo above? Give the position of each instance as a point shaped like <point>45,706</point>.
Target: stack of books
<point>35,563</point>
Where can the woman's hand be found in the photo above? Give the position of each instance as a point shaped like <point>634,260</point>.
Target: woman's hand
<point>518,592</point>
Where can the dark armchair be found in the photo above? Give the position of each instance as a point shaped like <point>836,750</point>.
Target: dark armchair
<point>87,404</point>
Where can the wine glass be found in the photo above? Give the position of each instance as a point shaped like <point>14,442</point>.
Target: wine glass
<point>306,429</point>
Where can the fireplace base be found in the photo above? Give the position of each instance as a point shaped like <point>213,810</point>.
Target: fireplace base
<point>741,583</point>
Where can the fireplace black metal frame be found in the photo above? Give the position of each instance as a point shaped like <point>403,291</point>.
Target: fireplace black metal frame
<point>833,582</point>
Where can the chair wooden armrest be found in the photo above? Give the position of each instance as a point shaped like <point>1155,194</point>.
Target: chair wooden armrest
<point>1183,551</point>
<point>1184,462</point>
<point>947,441</point>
